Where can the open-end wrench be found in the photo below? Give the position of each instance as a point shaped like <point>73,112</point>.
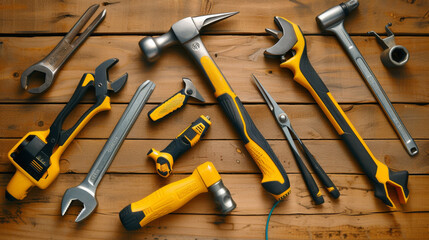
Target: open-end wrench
<point>49,66</point>
<point>85,192</point>
<point>332,20</point>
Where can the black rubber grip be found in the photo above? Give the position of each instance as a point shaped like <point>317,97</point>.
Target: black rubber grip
<point>229,105</point>
<point>131,220</point>
<point>324,178</point>
<point>357,148</point>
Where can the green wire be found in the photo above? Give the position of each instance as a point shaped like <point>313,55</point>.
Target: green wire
<point>268,219</point>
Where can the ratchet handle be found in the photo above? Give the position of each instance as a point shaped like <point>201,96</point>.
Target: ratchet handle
<point>378,173</point>
<point>183,142</point>
<point>324,178</point>
<point>312,187</point>
<point>175,102</point>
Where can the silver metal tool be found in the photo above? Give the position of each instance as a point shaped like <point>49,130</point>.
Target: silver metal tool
<point>393,55</point>
<point>175,102</point>
<point>48,67</point>
<point>332,20</point>
<point>85,192</point>
<point>286,126</point>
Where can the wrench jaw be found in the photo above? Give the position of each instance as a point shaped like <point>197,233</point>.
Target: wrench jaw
<point>102,81</point>
<point>83,195</point>
<point>28,76</point>
<point>287,39</point>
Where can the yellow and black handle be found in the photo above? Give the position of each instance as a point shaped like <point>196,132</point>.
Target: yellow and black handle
<point>184,141</point>
<point>378,173</point>
<point>36,156</point>
<point>176,102</point>
<point>174,195</point>
<point>275,179</point>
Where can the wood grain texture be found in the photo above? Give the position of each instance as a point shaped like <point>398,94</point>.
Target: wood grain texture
<point>29,30</point>
<point>148,17</point>
<point>118,190</point>
<point>188,226</point>
<point>237,56</point>
<point>308,121</point>
<point>229,156</point>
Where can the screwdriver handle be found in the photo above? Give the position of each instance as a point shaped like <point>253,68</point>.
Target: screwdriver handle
<point>184,141</point>
<point>378,173</point>
<point>324,178</point>
<point>175,102</point>
<point>275,179</point>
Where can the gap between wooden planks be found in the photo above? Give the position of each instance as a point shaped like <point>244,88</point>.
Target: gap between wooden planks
<point>307,120</point>
<point>131,17</point>
<point>118,190</point>
<point>237,57</point>
<point>229,156</point>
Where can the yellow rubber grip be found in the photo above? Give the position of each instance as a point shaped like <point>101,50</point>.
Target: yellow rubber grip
<point>177,101</point>
<point>275,179</point>
<point>21,183</point>
<point>174,195</point>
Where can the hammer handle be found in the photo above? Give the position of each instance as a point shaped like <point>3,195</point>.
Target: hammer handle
<point>275,179</point>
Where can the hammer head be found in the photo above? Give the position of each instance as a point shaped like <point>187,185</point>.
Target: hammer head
<point>215,186</point>
<point>336,15</point>
<point>181,32</point>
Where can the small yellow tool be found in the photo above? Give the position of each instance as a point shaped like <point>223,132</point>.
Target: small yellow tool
<point>183,142</point>
<point>173,196</point>
<point>176,102</point>
<point>292,42</point>
<point>36,156</point>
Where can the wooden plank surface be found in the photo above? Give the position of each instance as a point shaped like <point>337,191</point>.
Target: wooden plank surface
<point>237,56</point>
<point>29,30</point>
<point>41,16</point>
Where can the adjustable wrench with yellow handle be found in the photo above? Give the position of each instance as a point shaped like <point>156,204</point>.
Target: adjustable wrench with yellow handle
<point>378,173</point>
<point>183,142</point>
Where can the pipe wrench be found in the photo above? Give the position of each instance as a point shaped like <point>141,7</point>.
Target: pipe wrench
<point>291,41</point>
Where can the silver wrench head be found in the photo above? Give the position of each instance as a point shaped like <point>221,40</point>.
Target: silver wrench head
<point>82,194</point>
<point>29,75</point>
<point>191,90</point>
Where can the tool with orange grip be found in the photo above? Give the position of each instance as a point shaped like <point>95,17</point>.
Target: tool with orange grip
<point>186,33</point>
<point>183,142</point>
<point>173,196</point>
<point>176,102</point>
<point>292,42</point>
<point>36,156</point>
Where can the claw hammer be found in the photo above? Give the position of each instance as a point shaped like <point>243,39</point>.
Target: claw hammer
<point>186,33</point>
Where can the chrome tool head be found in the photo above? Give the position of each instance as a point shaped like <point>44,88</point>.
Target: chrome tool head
<point>335,15</point>
<point>47,68</point>
<point>286,39</point>
<point>102,82</point>
<point>281,117</point>
<point>180,32</point>
<point>191,90</point>
<point>84,195</point>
